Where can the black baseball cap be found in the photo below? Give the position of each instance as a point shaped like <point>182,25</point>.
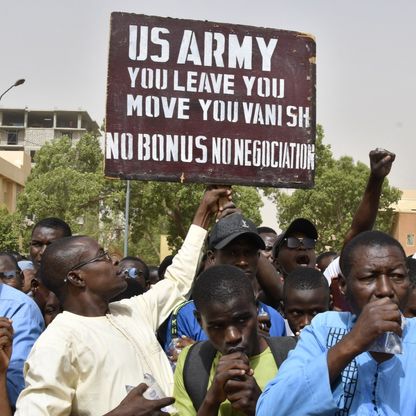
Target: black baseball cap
<point>229,228</point>
<point>299,225</point>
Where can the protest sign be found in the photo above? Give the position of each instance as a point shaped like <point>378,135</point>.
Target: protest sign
<point>196,101</point>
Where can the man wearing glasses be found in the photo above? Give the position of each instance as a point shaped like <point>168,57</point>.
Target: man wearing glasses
<point>10,273</point>
<point>95,353</point>
<point>295,247</point>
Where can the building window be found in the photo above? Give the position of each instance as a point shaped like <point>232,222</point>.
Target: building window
<point>12,137</point>
<point>13,118</point>
<point>32,156</point>
<point>67,120</point>
<point>410,240</point>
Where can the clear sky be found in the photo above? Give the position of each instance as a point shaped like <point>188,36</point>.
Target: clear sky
<point>366,61</point>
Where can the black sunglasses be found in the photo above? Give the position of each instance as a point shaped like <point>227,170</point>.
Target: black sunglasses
<point>295,242</point>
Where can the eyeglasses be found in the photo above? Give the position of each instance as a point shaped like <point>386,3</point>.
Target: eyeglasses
<point>101,257</point>
<point>133,273</point>
<point>8,275</point>
<point>295,242</point>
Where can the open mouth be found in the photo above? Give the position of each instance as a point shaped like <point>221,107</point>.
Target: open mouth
<point>303,260</point>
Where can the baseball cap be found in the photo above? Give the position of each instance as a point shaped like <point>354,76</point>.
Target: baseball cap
<point>229,228</point>
<point>299,225</point>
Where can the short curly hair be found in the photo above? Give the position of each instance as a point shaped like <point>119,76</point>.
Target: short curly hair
<point>220,284</point>
<point>365,239</point>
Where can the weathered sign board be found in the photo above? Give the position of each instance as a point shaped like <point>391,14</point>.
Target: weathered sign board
<point>197,101</point>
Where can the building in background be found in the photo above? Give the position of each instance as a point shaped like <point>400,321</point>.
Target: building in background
<point>23,132</point>
<point>404,223</point>
<point>14,169</point>
<point>29,130</point>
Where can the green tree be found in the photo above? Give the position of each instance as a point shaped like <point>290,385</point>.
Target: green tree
<point>331,204</point>
<point>9,230</point>
<point>67,182</point>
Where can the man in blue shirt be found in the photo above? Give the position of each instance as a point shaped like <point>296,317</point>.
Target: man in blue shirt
<point>27,324</point>
<point>360,363</point>
<point>234,240</point>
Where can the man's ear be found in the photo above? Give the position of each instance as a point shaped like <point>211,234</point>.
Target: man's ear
<point>277,265</point>
<point>210,257</point>
<point>34,284</point>
<point>75,278</point>
<point>331,303</point>
<point>342,284</point>
<point>282,309</point>
<point>198,317</point>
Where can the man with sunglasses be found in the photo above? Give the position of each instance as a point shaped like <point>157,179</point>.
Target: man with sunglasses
<point>295,247</point>
<point>93,354</point>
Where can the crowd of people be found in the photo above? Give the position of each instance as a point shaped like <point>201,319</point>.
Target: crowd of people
<point>241,321</point>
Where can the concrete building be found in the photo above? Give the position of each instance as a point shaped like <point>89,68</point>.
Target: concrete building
<point>404,225</point>
<point>14,169</point>
<point>24,129</point>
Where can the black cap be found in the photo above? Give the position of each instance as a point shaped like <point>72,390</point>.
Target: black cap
<point>229,228</point>
<point>299,225</point>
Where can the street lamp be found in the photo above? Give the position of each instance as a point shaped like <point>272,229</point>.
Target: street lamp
<point>18,82</point>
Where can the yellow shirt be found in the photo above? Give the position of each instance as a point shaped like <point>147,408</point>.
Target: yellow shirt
<point>264,367</point>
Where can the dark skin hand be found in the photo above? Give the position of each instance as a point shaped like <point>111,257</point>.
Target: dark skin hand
<point>136,405</point>
<point>214,201</point>
<point>264,325</point>
<point>243,394</point>
<point>233,371</point>
<point>376,318</point>
<point>381,161</point>
<point>180,344</point>
<point>6,341</point>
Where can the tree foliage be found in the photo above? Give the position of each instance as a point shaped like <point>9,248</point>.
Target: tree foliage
<point>9,230</point>
<point>331,204</point>
<point>67,182</point>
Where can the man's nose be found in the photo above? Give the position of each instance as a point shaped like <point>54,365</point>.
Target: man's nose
<point>305,320</point>
<point>384,288</point>
<point>233,335</point>
<point>42,249</point>
<point>301,246</point>
<point>241,261</point>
